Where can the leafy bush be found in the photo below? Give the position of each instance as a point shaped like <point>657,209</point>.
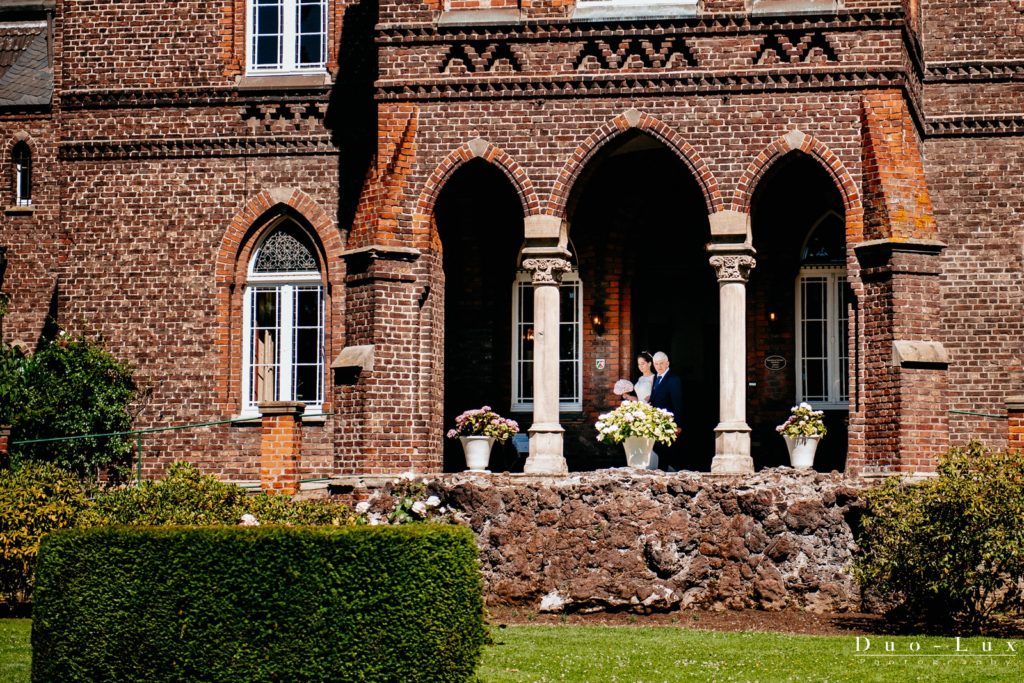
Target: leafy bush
<point>12,382</point>
<point>951,547</point>
<point>69,387</point>
<point>260,604</point>
<point>34,500</point>
<point>188,497</point>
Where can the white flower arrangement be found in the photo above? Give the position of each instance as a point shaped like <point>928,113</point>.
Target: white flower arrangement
<point>803,421</point>
<point>636,419</point>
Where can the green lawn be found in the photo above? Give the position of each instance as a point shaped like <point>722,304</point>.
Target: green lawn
<point>594,654</point>
<point>653,654</point>
<point>15,651</point>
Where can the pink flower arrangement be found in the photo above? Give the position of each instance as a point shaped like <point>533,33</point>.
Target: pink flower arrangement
<point>484,422</point>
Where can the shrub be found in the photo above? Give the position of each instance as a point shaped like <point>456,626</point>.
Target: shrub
<point>70,387</point>
<point>258,604</point>
<point>35,499</point>
<point>951,548</point>
<point>12,382</point>
<point>188,497</point>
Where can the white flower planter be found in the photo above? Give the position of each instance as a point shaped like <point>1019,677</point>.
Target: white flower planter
<point>478,452</point>
<point>801,450</point>
<point>639,453</point>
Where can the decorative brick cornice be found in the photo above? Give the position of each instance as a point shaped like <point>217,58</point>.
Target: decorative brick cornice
<point>973,72</point>
<point>971,126</point>
<point>134,98</point>
<point>601,85</point>
<point>726,24</point>
<point>156,148</point>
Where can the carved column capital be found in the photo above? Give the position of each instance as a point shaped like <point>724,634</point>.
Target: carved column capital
<point>733,267</point>
<point>546,271</point>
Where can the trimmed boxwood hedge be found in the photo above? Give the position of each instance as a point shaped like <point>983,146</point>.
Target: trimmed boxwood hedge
<point>258,604</point>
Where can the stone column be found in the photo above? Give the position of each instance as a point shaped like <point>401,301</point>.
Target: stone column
<point>280,445</point>
<point>732,435</point>
<point>1015,426</point>
<point>546,433</point>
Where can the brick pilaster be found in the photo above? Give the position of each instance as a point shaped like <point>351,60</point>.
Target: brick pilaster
<point>281,446</point>
<point>5,454</point>
<point>1015,423</point>
<point>905,365</point>
<point>386,403</point>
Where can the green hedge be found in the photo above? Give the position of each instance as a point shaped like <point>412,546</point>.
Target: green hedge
<point>258,604</point>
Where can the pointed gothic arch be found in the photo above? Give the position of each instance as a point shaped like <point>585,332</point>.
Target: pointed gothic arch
<point>621,124</point>
<point>478,148</point>
<point>798,141</point>
<point>245,232</point>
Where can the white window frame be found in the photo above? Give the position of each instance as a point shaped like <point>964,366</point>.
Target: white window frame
<point>287,284</point>
<point>288,55</point>
<point>23,178</point>
<point>684,4</point>
<point>837,345</point>
<point>524,283</point>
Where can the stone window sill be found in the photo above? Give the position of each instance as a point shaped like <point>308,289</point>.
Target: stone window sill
<point>284,82</point>
<point>651,10</point>
<point>480,17</point>
<point>20,210</point>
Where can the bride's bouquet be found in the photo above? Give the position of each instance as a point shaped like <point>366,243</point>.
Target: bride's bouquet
<point>623,386</point>
<point>636,419</point>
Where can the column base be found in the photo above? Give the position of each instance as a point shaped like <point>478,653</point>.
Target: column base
<point>732,449</point>
<point>546,450</point>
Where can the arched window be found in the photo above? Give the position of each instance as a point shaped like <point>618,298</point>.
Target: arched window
<point>287,36</point>
<point>21,156</point>
<point>822,322</point>
<point>570,362</point>
<point>283,334</point>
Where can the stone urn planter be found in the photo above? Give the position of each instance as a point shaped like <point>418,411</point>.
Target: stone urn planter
<point>801,450</point>
<point>640,453</point>
<point>478,452</point>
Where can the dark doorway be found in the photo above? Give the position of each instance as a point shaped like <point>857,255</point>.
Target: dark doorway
<point>639,222</point>
<point>480,223</point>
<point>798,224</point>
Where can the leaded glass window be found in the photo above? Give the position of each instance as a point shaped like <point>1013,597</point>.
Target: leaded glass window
<point>283,337</point>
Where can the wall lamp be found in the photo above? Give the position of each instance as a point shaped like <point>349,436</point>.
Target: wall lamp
<point>597,312</point>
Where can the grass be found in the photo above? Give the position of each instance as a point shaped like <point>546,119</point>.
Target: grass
<point>654,654</point>
<point>15,651</point>
<point>627,654</point>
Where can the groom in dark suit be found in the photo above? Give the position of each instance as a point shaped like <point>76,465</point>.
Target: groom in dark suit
<point>668,395</point>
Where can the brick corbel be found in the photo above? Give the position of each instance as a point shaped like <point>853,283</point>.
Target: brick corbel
<point>1015,423</point>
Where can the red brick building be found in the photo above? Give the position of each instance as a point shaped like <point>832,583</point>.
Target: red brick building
<point>394,211</point>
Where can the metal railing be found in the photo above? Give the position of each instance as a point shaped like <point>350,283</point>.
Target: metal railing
<point>137,434</point>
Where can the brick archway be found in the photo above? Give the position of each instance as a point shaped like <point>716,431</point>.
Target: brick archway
<point>797,141</point>
<point>423,220</point>
<point>240,238</point>
<point>612,129</point>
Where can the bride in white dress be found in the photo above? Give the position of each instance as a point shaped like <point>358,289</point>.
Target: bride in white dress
<point>643,386</point>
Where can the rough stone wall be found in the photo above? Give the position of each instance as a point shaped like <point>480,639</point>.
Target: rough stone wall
<point>618,539</point>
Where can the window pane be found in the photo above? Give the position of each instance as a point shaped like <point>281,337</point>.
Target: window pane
<point>814,339</point>
<point>307,307</point>
<point>310,18</point>
<point>307,345</point>
<point>268,51</point>
<point>814,383</point>
<point>306,383</point>
<point>567,381</point>
<point>310,50</point>
<point>265,345</point>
